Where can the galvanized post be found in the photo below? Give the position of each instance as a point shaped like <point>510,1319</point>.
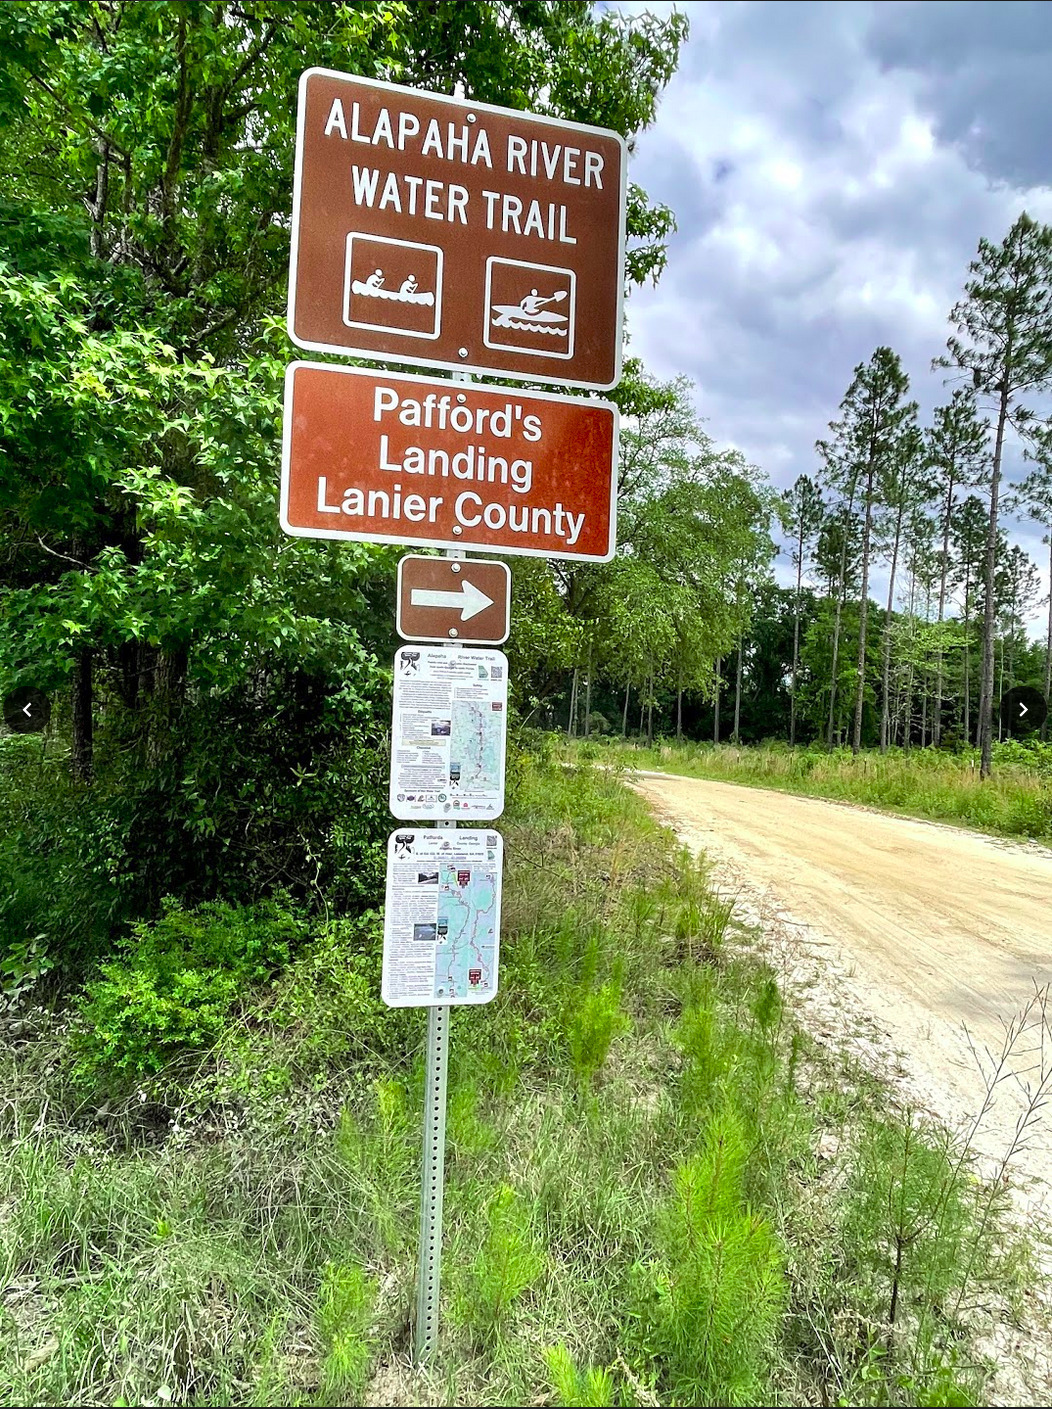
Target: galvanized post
<point>433,1163</point>
<point>432,1182</point>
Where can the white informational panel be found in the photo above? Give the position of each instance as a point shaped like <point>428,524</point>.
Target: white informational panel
<point>442,917</point>
<point>449,733</point>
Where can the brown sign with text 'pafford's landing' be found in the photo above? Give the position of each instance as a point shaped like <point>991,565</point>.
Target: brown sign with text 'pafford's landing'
<point>389,458</point>
<point>445,233</point>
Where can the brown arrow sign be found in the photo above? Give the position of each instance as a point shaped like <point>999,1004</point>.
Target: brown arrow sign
<point>446,599</point>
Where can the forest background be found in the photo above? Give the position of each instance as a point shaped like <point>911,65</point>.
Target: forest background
<point>222,691</point>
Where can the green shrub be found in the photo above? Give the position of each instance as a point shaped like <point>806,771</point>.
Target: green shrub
<point>507,1263</point>
<point>594,1389</point>
<point>722,1287</point>
<point>377,1154</point>
<point>595,1018</point>
<point>907,1225</point>
<point>178,985</point>
<point>345,1311</point>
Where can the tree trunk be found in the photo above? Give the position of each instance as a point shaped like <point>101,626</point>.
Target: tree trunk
<point>624,713</point>
<point>885,707</point>
<point>736,736</point>
<point>83,716</point>
<point>588,696</point>
<point>572,718</point>
<point>841,594</point>
<point>796,634</point>
<point>936,727</point>
<point>679,706</point>
<point>1048,641</point>
<point>716,705</point>
<point>650,709</point>
<point>863,612</point>
<point>967,654</point>
<point>832,673</point>
<point>986,683</point>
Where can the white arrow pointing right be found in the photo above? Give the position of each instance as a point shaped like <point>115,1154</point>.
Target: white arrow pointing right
<point>1022,709</point>
<point>468,599</point>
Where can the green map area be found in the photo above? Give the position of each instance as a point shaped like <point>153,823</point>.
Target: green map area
<point>476,745</point>
<point>466,956</point>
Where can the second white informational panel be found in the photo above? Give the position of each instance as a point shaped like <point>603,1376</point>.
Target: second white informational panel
<point>449,733</point>
<point>442,917</point>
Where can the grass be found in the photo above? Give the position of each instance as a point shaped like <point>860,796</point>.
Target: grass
<point>1016,801</point>
<point>637,1209</point>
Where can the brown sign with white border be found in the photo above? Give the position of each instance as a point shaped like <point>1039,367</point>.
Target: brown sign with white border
<point>445,233</point>
<point>454,599</point>
<point>383,457</point>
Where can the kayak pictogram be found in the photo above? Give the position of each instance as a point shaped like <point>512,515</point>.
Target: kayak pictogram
<point>530,316</point>
<point>530,308</point>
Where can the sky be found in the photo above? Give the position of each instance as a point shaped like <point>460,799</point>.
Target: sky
<point>832,167</point>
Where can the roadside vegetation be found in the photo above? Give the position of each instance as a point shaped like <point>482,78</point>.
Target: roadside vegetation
<point>658,1190</point>
<point>1016,801</point>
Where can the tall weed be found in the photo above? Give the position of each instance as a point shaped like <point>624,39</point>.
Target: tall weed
<point>576,1389</point>
<point>345,1310</point>
<point>595,1019</point>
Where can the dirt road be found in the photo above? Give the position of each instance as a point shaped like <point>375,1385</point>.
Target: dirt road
<point>896,936</point>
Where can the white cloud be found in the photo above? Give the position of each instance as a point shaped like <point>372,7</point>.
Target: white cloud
<point>832,168</point>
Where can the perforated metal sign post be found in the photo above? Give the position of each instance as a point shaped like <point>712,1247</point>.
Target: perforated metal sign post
<point>447,233</point>
<point>441,947</point>
<point>429,1271</point>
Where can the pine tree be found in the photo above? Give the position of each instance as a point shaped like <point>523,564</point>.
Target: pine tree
<point>837,557</point>
<point>805,520</point>
<point>1003,341</point>
<point>1034,498</point>
<point>969,538</point>
<point>956,444</point>
<point>872,416</point>
<point>901,491</point>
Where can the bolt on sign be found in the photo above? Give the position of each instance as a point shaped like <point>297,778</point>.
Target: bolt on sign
<point>467,600</point>
<point>390,458</point>
<point>445,233</point>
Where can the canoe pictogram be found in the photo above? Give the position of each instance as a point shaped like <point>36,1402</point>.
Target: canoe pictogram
<point>408,292</point>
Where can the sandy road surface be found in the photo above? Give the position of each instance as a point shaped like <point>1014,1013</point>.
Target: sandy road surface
<point>894,934</point>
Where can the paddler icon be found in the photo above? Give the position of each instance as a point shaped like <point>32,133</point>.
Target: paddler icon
<point>529,315</point>
<point>530,308</point>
